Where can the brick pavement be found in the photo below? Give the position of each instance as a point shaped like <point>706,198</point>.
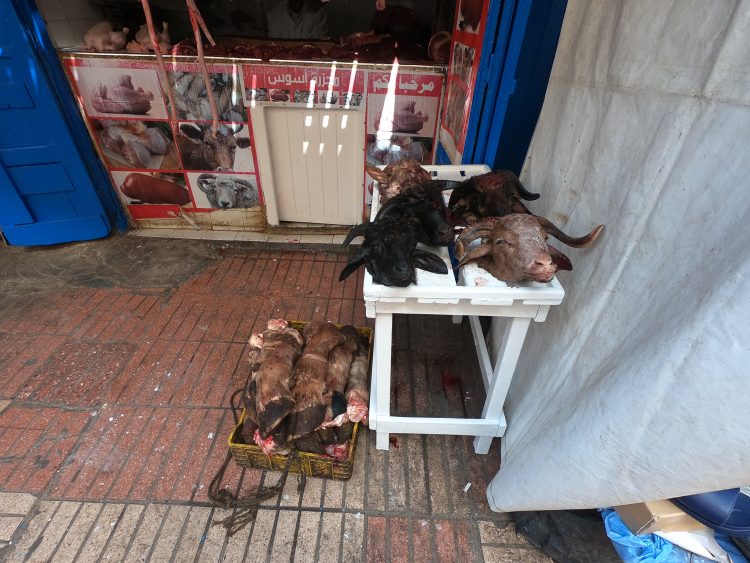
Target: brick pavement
<point>114,418</point>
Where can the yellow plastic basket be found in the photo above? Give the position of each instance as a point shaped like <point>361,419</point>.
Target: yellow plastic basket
<point>304,463</point>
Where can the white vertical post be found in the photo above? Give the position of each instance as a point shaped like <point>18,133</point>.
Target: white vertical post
<point>383,343</point>
<point>505,365</point>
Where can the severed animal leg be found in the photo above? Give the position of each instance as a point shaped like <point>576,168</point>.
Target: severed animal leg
<point>196,20</point>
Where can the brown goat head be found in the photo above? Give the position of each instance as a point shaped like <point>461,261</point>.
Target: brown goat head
<point>514,247</point>
<point>397,175</point>
<point>493,194</point>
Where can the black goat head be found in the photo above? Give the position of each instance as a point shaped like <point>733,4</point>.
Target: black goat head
<point>389,252</point>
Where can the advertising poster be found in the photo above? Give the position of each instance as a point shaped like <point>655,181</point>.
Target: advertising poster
<point>159,166</point>
<point>468,34</point>
<point>402,118</point>
<point>334,85</point>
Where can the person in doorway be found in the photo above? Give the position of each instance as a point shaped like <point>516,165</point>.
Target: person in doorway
<point>297,19</point>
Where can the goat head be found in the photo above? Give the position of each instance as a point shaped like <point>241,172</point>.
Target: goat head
<point>389,252</point>
<point>398,175</point>
<point>493,194</point>
<point>514,247</point>
<point>423,202</point>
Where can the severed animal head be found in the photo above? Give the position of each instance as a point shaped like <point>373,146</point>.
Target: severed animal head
<point>389,252</point>
<point>493,194</point>
<point>514,247</point>
<point>201,150</point>
<point>423,202</point>
<point>397,175</point>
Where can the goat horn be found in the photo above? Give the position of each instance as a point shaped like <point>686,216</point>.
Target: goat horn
<point>579,242</point>
<point>478,252</point>
<point>472,233</point>
<point>358,231</point>
<point>524,193</point>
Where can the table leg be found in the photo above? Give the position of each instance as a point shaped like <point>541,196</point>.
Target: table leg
<point>505,365</point>
<point>383,343</point>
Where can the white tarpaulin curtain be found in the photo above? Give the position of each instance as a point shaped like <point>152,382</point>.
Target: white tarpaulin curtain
<point>638,386</point>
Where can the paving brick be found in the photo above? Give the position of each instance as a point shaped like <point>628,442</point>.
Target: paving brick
<point>158,458</point>
<point>100,532</point>
<point>445,541</point>
<point>236,545</point>
<point>261,539</point>
<point>184,439</point>
<point>377,548</point>
<point>330,537</point>
<point>376,463</point>
<point>313,494</point>
<point>148,529</point>
<point>461,500</point>
<point>307,537</point>
<point>502,532</point>
<point>283,536</point>
<point>334,494</point>
<point>16,503</point>
<point>398,532</point>
<point>124,531</point>
<point>209,434</point>
<point>418,500</point>
<point>78,373</point>
<point>422,541</point>
<point>396,482</point>
<point>355,487</point>
<point>28,542</point>
<point>28,354</point>
<point>352,547</point>
<point>169,534</point>
<point>55,530</point>
<point>193,534</point>
<point>467,541</point>
<point>78,532</point>
<point>8,525</point>
<point>216,536</point>
<point>513,555</point>
<point>439,481</point>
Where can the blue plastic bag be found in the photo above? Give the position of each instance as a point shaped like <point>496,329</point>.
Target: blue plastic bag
<point>648,548</point>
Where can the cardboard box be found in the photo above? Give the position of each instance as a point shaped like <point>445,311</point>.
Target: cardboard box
<point>656,516</point>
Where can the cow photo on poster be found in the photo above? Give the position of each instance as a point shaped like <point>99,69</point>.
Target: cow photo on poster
<point>393,148</point>
<point>130,143</point>
<point>191,98</point>
<point>155,188</point>
<point>223,191</point>
<point>120,92</point>
<point>228,150</point>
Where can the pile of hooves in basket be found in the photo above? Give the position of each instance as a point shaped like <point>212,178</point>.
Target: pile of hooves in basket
<point>306,388</point>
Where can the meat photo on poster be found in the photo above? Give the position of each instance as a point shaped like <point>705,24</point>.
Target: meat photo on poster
<point>224,191</point>
<point>137,188</point>
<point>469,15</point>
<point>119,92</point>
<point>279,95</point>
<point>191,96</point>
<point>455,107</point>
<point>392,149</point>
<point>415,115</point>
<point>462,63</point>
<point>129,143</point>
<point>228,150</point>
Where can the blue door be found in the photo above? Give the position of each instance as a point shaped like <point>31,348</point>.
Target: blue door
<point>517,53</point>
<point>47,194</point>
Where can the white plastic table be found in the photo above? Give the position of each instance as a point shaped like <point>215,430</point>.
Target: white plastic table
<point>476,294</point>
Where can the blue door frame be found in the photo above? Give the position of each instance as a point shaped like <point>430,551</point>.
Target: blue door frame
<point>517,53</point>
<point>50,168</point>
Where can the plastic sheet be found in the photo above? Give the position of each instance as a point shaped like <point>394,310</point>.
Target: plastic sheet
<point>636,387</point>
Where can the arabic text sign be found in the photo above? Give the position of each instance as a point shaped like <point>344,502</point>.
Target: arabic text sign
<point>406,84</point>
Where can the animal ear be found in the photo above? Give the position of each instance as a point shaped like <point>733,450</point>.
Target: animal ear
<point>354,263</point>
<point>522,191</point>
<point>429,262</point>
<point>243,142</point>
<point>358,231</point>
<point>377,174</point>
<point>191,130</point>
<point>462,190</point>
<point>561,261</point>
